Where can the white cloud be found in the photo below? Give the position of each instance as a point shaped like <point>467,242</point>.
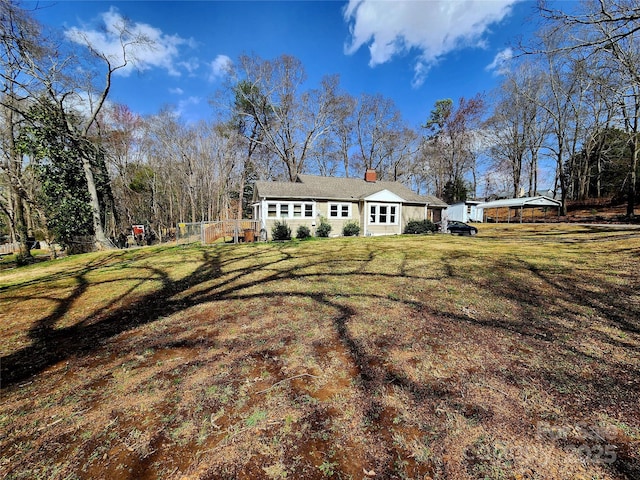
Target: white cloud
<point>434,28</point>
<point>185,106</point>
<point>220,67</point>
<point>176,91</point>
<point>500,64</point>
<point>158,50</point>
<point>191,65</point>
<point>190,101</point>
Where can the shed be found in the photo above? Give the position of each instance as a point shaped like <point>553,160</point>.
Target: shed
<point>466,211</point>
<point>519,204</point>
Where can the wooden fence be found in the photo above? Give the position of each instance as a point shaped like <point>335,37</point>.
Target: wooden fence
<point>245,230</point>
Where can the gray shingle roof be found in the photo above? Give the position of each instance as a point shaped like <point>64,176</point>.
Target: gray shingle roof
<point>338,188</point>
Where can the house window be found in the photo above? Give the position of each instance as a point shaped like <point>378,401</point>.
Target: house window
<point>284,210</point>
<point>339,210</point>
<point>290,210</point>
<point>272,210</point>
<point>383,214</point>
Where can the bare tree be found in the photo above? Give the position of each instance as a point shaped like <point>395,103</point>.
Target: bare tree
<point>251,110</point>
<point>21,47</point>
<point>96,97</point>
<point>402,147</point>
<point>332,154</point>
<point>175,156</point>
<point>198,169</point>
<point>517,127</point>
<point>558,103</point>
<point>593,111</point>
<point>343,126</point>
<point>291,121</point>
<point>451,141</point>
<point>608,29</point>
<point>326,156</point>
<point>377,121</point>
<point>132,181</point>
<point>49,76</point>
<point>609,26</point>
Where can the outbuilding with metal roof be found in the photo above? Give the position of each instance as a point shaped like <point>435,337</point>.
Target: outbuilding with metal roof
<point>518,205</point>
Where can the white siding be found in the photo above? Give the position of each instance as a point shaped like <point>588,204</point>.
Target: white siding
<point>463,212</point>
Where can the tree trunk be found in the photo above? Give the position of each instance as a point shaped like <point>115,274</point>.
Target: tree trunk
<point>517,170</point>
<point>599,179</point>
<point>101,240</point>
<point>633,177</point>
<point>563,186</point>
<point>241,195</point>
<point>474,173</point>
<point>21,228</point>
<point>22,231</point>
<point>533,174</point>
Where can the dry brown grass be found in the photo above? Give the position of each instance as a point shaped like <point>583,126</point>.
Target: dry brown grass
<point>514,354</point>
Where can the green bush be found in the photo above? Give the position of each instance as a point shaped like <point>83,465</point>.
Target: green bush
<point>324,228</point>
<point>303,232</point>
<point>351,229</point>
<point>281,231</point>
<point>420,226</point>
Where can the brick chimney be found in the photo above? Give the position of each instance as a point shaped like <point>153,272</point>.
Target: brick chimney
<point>370,175</point>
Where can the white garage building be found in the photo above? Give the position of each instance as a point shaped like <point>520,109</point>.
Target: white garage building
<point>464,211</point>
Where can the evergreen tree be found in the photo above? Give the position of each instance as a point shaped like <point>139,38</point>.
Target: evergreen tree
<point>64,195</point>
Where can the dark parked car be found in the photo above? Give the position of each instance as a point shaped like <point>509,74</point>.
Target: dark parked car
<point>459,228</point>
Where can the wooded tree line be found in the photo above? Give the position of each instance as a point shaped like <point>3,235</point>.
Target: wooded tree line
<point>574,97</point>
<point>75,165</point>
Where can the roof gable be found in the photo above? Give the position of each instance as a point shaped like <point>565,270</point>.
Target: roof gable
<point>384,196</point>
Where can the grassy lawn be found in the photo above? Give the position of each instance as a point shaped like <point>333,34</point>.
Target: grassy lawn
<point>514,354</point>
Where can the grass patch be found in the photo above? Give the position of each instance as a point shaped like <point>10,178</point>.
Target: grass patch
<point>513,354</point>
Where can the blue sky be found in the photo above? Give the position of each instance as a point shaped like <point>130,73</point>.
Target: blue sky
<point>414,52</point>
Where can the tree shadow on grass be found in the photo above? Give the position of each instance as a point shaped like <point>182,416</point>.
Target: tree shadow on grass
<point>375,370</point>
<point>50,345</point>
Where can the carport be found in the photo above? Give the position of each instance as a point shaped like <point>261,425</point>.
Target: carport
<point>519,205</point>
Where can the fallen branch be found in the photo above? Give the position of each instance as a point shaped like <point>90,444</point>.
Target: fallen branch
<point>51,424</point>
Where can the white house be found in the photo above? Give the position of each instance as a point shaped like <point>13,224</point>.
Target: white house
<point>379,207</point>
